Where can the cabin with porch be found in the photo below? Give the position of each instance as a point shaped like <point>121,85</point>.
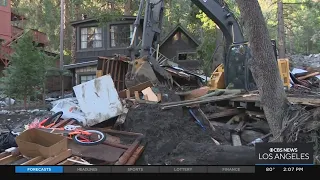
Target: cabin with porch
<point>94,41</point>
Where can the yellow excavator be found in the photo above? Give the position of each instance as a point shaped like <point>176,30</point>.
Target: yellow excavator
<point>233,74</point>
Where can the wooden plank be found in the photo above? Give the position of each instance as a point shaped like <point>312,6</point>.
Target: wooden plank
<point>128,93</point>
<point>256,114</point>
<point>207,121</point>
<point>159,97</point>
<point>115,78</point>
<point>308,76</point>
<point>103,67</point>
<point>107,67</point>
<point>119,75</point>
<point>136,95</point>
<point>61,123</point>
<point>227,112</point>
<point>207,100</point>
<point>57,159</point>
<point>139,87</point>
<point>19,161</point>
<point>33,161</point>
<point>4,154</point>
<point>295,100</point>
<point>9,159</point>
<point>135,156</point>
<point>67,162</point>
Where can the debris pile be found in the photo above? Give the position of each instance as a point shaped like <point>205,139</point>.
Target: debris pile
<point>174,137</point>
<point>307,80</point>
<point>299,60</point>
<point>170,127</point>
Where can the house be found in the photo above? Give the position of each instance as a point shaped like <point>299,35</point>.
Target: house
<point>94,41</point>
<point>11,29</point>
<point>180,47</point>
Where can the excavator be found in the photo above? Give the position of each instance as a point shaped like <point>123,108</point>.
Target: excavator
<point>234,72</point>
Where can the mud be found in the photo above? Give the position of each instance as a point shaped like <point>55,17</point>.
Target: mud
<point>17,120</point>
<point>172,134</point>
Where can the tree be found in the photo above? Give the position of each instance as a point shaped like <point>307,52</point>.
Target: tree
<point>263,66</point>
<point>27,70</point>
<point>281,35</point>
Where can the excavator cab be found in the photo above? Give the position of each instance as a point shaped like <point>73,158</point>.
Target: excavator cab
<point>236,67</point>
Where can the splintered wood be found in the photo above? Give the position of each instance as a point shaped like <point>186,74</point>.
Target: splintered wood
<point>9,159</point>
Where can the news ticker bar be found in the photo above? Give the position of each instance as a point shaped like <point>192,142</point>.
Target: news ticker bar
<point>166,169</point>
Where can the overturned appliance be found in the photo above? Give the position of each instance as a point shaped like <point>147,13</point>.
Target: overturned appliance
<point>98,100</point>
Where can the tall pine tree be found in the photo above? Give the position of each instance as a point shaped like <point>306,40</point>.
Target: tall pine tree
<point>27,70</point>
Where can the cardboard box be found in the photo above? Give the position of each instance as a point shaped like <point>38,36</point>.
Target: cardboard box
<point>34,142</point>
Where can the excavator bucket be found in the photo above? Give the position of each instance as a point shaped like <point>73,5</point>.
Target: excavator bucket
<point>142,71</point>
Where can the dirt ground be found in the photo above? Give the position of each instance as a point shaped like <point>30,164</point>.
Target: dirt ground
<point>18,120</point>
<point>173,137</point>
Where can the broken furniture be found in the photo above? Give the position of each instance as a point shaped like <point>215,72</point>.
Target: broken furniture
<point>111,152</point>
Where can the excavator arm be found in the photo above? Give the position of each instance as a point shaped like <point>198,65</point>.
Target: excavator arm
<point>147,67</point>
<point>141,69</point>
<point>223,18</point>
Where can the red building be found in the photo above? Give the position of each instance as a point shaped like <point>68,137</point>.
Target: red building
<point>12,29</point>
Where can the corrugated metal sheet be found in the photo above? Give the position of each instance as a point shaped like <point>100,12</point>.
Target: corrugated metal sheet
<point>98,99</point>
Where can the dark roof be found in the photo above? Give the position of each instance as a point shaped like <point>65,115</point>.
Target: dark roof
<point>17,17</point>
<point>183,30</point>
<point>73,23</point>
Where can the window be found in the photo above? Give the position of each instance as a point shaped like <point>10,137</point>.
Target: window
<point>180,36</point>
<point>187,56</point>
<point>120,35</point>
<point>91,37</point>
<point>85,78</point>
<point>3,2</point>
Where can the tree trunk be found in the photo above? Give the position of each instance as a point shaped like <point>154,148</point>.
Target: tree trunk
<point>25,102</point>
<point>263,66</point>
<point>127,8</point>
<point>281,36</point>
<point>74,31</point>
<point>218,56</point>
<point>111,5</point>
<point>66,33</point>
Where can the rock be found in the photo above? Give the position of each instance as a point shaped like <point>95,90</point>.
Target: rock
<point>249,135</point>
<point>5,112</point>
<point>312,60</point>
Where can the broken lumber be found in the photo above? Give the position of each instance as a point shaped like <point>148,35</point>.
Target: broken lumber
<point>238,118</point>
<point>256,114</point>
<point>190,102</point>
<point>224,113</point>
<point>308,76</point>
<point>139,88</point>
<point>207,121</point>
<point>294,100</point>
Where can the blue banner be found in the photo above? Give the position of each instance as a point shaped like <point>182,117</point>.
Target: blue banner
<point>39,169</point>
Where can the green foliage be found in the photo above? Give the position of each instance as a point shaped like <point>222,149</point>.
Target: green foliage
<point>27,70</point>
<point>108,16</point>
<point>302,21</point>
